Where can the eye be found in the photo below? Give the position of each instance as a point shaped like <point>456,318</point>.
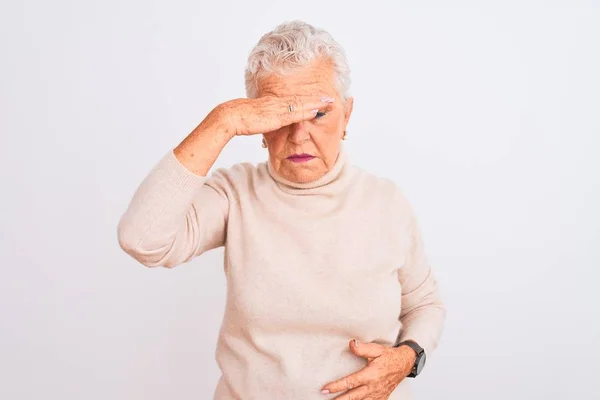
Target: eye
<point>320,114</point>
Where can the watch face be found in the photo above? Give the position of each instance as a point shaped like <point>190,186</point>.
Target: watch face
<point>420,363</point>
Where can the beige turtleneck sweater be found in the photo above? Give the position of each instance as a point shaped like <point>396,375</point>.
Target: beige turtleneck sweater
<point>309,267</point>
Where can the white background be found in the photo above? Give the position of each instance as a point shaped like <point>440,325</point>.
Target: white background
<point>487,114</point>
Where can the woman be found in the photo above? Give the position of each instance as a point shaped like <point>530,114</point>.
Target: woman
<point>318,252</point>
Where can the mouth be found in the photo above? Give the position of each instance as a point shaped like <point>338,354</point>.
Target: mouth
<point>299,158</point>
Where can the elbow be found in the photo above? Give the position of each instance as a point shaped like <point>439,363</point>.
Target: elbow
<point>132,244</point>
<point>434,302</point>
<point>127,240</point>
<point>429,302</point>
<point>427,307</point>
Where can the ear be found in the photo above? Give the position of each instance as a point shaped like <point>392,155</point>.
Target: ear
<point>348,106</point>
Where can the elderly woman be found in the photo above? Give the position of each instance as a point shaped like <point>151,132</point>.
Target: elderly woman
<point>329,291</point>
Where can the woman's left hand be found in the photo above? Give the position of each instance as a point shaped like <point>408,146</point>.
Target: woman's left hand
<point>387,367</point>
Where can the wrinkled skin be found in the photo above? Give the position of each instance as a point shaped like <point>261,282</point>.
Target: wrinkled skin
<point>319,135</point>
<point>386,368</point>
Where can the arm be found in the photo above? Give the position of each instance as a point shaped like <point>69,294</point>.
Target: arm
<point>178,212</point>
<point>422,318</point>
<point>423,313</point>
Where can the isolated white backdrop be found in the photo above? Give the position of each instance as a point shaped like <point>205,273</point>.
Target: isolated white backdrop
<point>485,113</point>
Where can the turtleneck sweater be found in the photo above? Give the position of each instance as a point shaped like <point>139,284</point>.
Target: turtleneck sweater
<point>309,266</point>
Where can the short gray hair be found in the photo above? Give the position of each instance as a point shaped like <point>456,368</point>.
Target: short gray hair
<point>294,44</point>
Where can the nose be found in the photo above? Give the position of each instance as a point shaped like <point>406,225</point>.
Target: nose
<point>298,133</point>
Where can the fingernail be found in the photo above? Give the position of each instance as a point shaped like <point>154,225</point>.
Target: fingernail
<point>356,342</point>
<point>325,391</point>
<point>327,99</point>
<point>316,110</point>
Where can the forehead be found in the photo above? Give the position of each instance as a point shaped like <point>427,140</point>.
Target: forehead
<point>317,78</point>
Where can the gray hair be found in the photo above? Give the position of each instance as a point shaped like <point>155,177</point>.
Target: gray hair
<point>291,45</point>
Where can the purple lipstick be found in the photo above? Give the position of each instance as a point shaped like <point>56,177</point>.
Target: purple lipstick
<point>299,158</point>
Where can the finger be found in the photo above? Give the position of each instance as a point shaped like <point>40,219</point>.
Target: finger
<point>359,393</point>
<point>348,382</point>
<point>301,108</point>
<point>305,103</point>
<point>367,350</point>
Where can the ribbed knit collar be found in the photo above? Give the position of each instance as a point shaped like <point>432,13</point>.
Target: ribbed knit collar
<point>328,179</point>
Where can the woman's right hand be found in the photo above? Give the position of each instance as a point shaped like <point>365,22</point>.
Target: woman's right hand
<point>200,149</point>
<point>242,117</point>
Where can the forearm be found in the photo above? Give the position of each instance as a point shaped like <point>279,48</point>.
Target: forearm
<point>201,148</point>
<point>423,316</point>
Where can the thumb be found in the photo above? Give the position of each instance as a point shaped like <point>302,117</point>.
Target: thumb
<point>366,350</point>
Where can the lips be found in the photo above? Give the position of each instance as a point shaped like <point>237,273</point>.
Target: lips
<point>300,157</point>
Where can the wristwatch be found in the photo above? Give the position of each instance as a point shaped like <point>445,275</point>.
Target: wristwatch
<point>420,360</point>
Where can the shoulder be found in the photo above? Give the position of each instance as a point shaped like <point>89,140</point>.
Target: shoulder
<point>235,177</point>
<point>387,192</point>
<point>376,185</point>
<point>234,173</point>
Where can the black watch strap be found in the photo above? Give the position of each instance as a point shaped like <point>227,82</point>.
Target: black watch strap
<point>419,351</point>
<point>413,345</point>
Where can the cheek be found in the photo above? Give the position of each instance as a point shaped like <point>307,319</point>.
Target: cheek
<point>327,128</point>
<point>334,123</point>
<point>324,139</point>
<point>273,134</point>
<point>276,138</point>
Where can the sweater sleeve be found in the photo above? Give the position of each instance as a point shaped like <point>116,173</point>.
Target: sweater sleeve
<point>423,312</point>
<point>174,215</point>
